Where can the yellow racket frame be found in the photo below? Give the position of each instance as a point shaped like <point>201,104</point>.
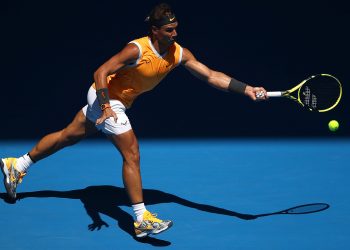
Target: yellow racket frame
<point>298,88</point>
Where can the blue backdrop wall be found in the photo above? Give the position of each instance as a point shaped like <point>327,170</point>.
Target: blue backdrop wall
<point>50,50</point>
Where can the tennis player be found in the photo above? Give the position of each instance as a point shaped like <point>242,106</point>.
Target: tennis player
<point>139,67</point>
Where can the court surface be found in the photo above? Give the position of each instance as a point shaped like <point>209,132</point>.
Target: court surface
<point>205,186</point>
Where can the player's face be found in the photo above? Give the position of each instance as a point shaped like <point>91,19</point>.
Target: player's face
<point>166,34</point>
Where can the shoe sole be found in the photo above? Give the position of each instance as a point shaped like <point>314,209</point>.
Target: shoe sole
<point>7,187</point>
<point>144,234</point>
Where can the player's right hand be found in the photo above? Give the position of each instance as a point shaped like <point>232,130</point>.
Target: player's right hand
<point>108,112</point>
<point>256,93</point>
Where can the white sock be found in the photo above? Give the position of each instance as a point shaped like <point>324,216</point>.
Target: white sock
<point>139,209</point>
<point>23,163</point>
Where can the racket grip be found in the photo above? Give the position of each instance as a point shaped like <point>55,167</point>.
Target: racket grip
<point>274,94</point>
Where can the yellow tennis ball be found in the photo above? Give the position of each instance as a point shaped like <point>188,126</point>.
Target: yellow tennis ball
<point>333,125</point>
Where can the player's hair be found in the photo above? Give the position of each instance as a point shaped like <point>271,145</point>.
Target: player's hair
<point>159,14</point>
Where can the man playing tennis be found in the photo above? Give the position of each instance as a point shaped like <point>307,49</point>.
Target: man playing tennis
<point>137,68</point>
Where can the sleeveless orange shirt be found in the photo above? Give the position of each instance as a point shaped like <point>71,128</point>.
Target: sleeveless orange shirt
<point>143,75</point>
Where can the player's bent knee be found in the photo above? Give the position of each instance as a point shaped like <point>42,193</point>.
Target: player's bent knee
<point>132,157</point>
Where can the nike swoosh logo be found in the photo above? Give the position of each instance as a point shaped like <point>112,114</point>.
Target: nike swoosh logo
<point>171,19</point>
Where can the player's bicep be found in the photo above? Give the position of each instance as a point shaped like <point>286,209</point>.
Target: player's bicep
<point>127,55</point>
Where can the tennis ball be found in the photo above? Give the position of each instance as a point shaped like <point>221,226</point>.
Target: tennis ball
<point>333,125</point>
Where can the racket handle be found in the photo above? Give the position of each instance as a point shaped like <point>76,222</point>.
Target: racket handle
<point>274,94</point>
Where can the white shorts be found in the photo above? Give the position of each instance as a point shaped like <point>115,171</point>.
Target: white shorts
<point>93,111</point>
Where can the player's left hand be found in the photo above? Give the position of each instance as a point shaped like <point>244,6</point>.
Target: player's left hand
<point>256,93</point>
<point>108,112</point>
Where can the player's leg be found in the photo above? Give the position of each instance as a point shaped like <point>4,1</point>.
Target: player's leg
<point>128,147</point>
<point>146,222</point>
<point>15,168</point>
<point>78,129</point>
<point>122,136</point>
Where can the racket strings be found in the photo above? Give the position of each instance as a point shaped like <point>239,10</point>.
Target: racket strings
<point>320,93</point>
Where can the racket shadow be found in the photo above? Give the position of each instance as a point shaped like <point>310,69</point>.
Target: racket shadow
<point>107,200</point>
<point>301,209</point>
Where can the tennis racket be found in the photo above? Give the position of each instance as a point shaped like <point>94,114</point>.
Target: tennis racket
<point>303,209</point>
<point>318,93</point>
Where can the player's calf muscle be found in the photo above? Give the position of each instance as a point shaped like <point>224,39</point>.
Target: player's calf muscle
<point>53,142</point>
<point>68,138</point>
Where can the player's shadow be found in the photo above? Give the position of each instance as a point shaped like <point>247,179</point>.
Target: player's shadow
<point>107,199</point>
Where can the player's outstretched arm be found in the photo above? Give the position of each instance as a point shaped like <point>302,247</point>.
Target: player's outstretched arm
<point>218,79</point>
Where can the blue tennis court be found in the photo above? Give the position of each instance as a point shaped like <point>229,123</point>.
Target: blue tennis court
<point>75,198</point>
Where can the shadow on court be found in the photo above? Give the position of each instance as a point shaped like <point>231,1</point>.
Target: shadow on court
<point>107,199</point>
